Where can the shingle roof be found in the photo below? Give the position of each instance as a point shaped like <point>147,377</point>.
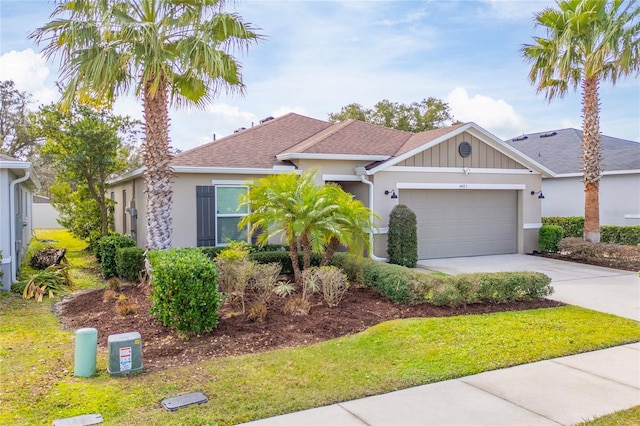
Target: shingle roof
<point>562,152</point>
<point>255,147</point>
<point>258,146</point>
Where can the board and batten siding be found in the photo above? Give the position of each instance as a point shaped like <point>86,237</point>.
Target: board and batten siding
<point>445,154</point>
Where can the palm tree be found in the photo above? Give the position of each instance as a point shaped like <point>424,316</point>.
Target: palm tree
<point>167,51</point>
<point>587,41</point>
<point>309,216</point>
<point>352,223</point>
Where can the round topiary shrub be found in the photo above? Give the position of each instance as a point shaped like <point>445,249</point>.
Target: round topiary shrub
<point>402,247</point>
<point>548,238</point>
<point>185,290</point>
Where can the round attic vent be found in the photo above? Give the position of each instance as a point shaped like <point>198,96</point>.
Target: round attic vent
<point>464,149</point>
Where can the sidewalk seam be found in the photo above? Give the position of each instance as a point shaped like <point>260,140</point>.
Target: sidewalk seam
<point>509,401</point>
<point>555,361</point>
<point>352,414</point>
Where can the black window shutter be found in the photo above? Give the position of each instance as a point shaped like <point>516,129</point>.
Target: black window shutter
<point>206,216</point>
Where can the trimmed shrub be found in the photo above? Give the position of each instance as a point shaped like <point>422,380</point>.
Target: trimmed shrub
<point>402,245</point>
<point>213,251</point>
<point>185,290</point>
<point>626,235</point>
<point>498,287</point>
<point>548,238</point>
<point>350,265</point>
<point>129,263</point>
<point>397,283</point>
<point>108,249</point>
<point>572,226</point>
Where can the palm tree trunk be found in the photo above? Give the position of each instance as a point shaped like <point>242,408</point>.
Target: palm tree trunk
<point>293,255</point>
<point>306,250</point>
<point>157,160</point>
<point>591,155</point>
<point>333,245</point>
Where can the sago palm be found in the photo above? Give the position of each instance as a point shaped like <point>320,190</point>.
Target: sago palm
<point>165,51</point>
<point>587,41</point>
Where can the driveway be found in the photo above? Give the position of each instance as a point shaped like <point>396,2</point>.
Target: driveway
<point>601,289</point>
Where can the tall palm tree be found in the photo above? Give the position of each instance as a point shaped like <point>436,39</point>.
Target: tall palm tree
<point>166,51</point>
<point>587,41</point>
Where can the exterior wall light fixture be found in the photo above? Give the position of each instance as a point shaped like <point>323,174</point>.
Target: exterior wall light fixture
<point>540,195</point>
<point>392,192</point>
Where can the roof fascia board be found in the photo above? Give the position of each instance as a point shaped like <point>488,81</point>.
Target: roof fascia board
<point>509,151</point>
<point>14,165</point>
<point>127,176</point>
<point>33,182</point>
<point>232,170</point>
<point>605,173</point>
<point>333,157</point>
<point>466,170</point>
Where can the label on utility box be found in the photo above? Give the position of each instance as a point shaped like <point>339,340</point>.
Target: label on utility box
<point>125,358</point>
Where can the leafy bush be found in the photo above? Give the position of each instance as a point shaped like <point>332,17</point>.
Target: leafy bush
<point>402,243</point>
<point>108,249</point>
<point>626,235</point>
<point>129,263</point>
<point>350,265</point>
<point>185,290</point>
<point>548,238</point>
<point>333,284</point>
<point>572,226</point>
<point>615,255</point>
<point>397,283</point>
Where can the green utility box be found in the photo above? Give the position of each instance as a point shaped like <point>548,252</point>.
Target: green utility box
<point>125,353</point>
<point>86,352</point>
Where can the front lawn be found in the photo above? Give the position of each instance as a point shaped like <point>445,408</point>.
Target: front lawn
<point>38,386</point>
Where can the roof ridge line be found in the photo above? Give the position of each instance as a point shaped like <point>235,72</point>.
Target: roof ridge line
<point>318,137</point>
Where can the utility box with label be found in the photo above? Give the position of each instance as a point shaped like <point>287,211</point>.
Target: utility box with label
<point>125,353</point>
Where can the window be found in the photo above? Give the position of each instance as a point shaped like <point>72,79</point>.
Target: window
<point>124,211</point>
<point>229,213</point>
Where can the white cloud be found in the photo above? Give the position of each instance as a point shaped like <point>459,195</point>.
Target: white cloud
<point>29,72</point>
<point>230,112</point>
<point>287,109</point>
<point>497,116</point>
<point>510,10</point>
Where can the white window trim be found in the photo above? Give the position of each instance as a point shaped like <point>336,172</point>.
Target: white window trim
<point>229,184</point>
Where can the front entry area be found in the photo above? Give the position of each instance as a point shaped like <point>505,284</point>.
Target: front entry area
<point>456,223</point>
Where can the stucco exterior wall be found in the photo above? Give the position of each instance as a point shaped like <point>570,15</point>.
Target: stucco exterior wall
<point>619,197</point>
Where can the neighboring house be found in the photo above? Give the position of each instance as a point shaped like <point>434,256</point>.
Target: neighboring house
<point>470,190</point>
<point>561,152</point>
<point>17,182</point>
<point>44,214</point>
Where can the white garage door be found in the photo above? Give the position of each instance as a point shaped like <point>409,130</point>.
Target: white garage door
<point>464,222</point>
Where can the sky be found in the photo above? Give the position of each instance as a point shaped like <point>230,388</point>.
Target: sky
<point>318,56</point>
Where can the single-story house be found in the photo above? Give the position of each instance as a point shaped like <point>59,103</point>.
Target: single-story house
<point>471,192</point>
<point>18,180</point>
<point>561,152</point>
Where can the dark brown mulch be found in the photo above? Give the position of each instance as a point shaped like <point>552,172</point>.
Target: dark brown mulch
<point>595,262</point>
<point>162,347</point>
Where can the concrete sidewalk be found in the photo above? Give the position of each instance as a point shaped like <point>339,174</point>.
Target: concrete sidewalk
<point>561,391</point>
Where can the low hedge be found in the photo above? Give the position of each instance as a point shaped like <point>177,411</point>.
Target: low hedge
<point>185,290</point>
<point>213,251</point>
<point>626,235</point>
<point>407,286</point>
<point>108,248</point>
<point>548,238</point>
<point>573,227</point>
<point>614,255</point>
<point>282,257</point>
<point>129,263</point>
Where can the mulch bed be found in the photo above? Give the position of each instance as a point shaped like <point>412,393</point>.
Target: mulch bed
<point>595,262</point>
<point>162,347</point>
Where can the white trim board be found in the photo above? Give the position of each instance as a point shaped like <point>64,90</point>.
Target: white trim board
<point>461,186</point>
<point>458,170</point>
<point>343,178</point>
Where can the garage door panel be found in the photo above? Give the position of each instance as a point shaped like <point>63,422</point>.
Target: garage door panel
<point>463,223</point>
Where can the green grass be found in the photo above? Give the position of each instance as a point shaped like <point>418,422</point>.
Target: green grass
<point>630,417</point>
<point>37,383</point>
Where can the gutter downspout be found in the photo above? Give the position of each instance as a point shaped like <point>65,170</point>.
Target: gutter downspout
<point>366,181</point>
<point>12,232</point>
